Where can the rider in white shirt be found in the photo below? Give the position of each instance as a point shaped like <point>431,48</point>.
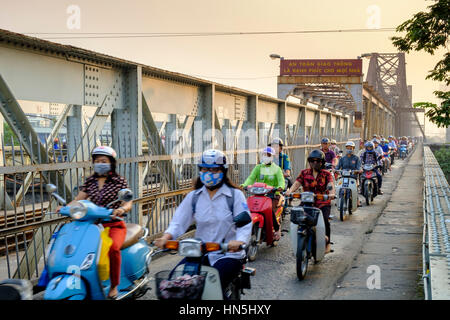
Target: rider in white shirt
<point>213,216</point>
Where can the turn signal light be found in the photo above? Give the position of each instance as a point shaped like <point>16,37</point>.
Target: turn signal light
<point>296,195</point>
<point>319,196</point>
<point>172,245</point>
<point>212,246</point>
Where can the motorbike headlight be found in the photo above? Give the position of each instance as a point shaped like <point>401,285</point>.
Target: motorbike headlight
<point>307,197</point>
<point>87,262</point>
<point>78,210</point>
<point>190,248</point>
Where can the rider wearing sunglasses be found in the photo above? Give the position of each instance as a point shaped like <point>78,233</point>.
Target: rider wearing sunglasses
<point>319,181</point>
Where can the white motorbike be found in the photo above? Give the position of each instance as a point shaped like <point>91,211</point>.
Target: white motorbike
<point>194,281</point>
<point>307,232</point>
<point>347,193</point>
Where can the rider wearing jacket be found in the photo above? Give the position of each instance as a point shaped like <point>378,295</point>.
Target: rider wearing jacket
<point>319,181</point>
<point>282,159</point>
<point>269,173</point>
<point>350,161</point>
<point>102,188</point>
<point>213,216</point>
<point>371,157</point>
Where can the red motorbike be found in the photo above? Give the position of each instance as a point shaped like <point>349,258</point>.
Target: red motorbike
<point>260,206</point>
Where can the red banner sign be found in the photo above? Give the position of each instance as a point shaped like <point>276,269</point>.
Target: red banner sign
<point>321,67</point>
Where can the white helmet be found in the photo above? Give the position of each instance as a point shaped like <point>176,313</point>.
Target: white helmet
<point>350,144</point>
<point>104,151</point>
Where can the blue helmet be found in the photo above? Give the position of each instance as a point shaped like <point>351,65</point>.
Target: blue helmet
<point>369,144</point>
<point>325,140</point>
<point>213,158</point>
<point>269,150</point>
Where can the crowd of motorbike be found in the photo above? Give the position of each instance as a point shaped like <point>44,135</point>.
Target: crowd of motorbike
<point>192,279</point>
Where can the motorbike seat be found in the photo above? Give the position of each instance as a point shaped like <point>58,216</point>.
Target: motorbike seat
<point>134,233</point>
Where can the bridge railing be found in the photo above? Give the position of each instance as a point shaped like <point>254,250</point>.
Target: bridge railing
<point>27,224</point>
<point>436,244</point>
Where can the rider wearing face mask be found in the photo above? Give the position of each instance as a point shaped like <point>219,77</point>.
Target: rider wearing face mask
<point>102,188</point>
<point>271,174</point>
<point>370,156</point>
<point>213,216</point>
<point>319,181</point>
<point>350,161</point>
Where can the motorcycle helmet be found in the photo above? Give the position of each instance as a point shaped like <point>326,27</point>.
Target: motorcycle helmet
<point>276,141</point>
<point>350,144</point>
<point>104,151</point>
<point>213,158</point>
<point>325,140</point>
<point>369,144</point>
<point>108,152</point>
<point>267,159</point>
<point>333,141</point>
<point>317,154</point>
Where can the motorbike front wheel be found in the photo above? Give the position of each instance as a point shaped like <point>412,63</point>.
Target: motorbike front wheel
<point>368,193</point>
<point>341,207</point>
<point>302,257</point>
<point>252,249</point>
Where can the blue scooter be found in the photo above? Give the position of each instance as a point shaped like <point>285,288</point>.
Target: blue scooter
<point>74,253</point>
<point>403,151</point>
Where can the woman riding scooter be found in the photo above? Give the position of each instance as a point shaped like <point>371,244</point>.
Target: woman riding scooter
<point>319,181</point>
<point>271,174</point>
<point>208,206</point>
<point>101,188</point>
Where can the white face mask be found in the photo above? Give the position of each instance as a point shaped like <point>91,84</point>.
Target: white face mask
<point>267,160</point>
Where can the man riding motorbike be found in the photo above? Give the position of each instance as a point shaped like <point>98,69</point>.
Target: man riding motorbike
<point>370,156</point>
<point>350,161</point>
<point>319,181</point>
<point>330,156</point>
<point>213,216</point>
<point>269,173</point>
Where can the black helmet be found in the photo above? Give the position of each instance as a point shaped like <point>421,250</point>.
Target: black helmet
<point>317,154</point>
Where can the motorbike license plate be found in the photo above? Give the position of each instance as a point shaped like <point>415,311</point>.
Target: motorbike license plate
<point>345,183</point>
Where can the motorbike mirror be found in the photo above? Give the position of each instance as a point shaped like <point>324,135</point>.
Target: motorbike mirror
<point>242,219</point>
<point>329,188</point>
<point>50,188</point>
<point>125,195</point>
<point>340,151</point>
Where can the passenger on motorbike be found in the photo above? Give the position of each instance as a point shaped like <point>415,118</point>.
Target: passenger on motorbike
<point>269,173</point>
<point>319,181</point>
<point>371,157</point>
<point>213,216</point>
<point>386,150</point>
<point>334,147</point>
<point>350,161</point>
<point>282,159</point>
<point>330,156</point>
<point>101,188</point>
<point>392,143</point>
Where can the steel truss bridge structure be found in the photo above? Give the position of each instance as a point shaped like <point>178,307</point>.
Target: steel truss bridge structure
<point>161,121</point>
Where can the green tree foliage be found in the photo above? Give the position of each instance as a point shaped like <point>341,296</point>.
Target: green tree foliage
<point>429,31</point>
<point>443,157</point>
<point>7,134</point>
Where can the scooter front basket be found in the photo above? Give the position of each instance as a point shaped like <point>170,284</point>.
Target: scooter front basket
<point>179,286</point>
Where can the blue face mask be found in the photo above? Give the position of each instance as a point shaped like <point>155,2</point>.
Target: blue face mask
<point>210,179</point>
<point>102,168</point>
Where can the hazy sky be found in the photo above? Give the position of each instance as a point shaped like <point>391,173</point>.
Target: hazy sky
<point>230,60</point>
